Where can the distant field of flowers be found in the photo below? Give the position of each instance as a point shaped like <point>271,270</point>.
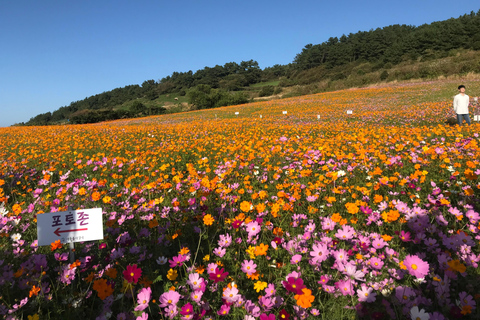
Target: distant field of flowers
<point>356,204</point>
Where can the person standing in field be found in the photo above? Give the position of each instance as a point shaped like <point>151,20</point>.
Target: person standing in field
<point>460,105</point>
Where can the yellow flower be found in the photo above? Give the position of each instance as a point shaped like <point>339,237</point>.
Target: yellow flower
<point>251,252</point>
<point>172,274</point>
<point>206,258</point>
<point>259,285</point>
<point>34,317</point>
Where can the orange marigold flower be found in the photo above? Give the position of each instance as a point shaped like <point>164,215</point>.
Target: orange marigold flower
<point>305,300</point>
<point>352,208</point>
<point>390,216</point>
<point>96,196</point>
<point>17,209</point>
<point>208,220</point>
<point>245,206</point>
<point>261,249</point>
<point>377,198</point>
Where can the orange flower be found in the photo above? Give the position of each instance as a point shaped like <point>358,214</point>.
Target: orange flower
<point>456,265</point>
<point>352,208</point>
<point>245,206</point>
<point>75,264</point>
<point>90,277</point>
<point>103,289</point>
<point>153,223</point>
<point>111,272</point>
<point>34,291</point>
<point>56,245</point>
<point>17,209</point>
<point>390,216</point>
<point>95,197</point>
<point>261,249</point>
<point>253,276</point>
<point>305,300</point>
<point>200,269</point>
<point>208,220</point>
<point>377,198</point>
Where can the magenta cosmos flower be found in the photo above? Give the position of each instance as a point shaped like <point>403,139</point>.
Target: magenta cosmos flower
<point>416,266</point>
<point>218,275</point>
<point>294,285</point>
<point>132,273</point>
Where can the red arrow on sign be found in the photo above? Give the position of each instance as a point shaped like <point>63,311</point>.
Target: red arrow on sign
<point>58,231</point>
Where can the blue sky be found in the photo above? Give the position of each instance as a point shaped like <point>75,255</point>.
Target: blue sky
<point>55,52</point>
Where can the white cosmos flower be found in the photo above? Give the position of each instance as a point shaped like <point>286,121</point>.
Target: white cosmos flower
<point>420,314</point>
<point>16,236</point>
<point>3,211</point>
<point>162,260</point>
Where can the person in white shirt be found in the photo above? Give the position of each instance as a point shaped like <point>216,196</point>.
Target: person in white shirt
<point>460,105</point>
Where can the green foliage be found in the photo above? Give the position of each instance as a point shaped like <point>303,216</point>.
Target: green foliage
<point>267,91</point>
<point>204,97</point>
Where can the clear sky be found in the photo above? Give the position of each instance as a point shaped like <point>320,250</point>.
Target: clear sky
<point>55,52</point>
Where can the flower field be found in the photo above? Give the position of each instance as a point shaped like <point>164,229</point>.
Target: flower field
<point>359,203</point>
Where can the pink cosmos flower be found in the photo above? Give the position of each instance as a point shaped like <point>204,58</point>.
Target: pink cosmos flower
<point>194,281</point>
<point>405,236</point>
<point>375,263</point>
<point>249,267</point>
<point>144,316</point>
<point>270,290</point>
<point>169,298</point>
<point>231,295</point>
<point>320,253</point>
<point>379,243</point>
<point>253,228</point>
<point>346,233</point>
<point>143,298</point>
<point>366,294</point>
<point>296,259</point>
<point>219,252</point>
<point>416,266</point>
<point>177,261</point>
<point>224,310</point>
<point>196,296</point>
<point>225,240</point>
<point>345,287</point>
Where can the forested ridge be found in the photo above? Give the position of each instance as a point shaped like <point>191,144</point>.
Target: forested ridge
<point>383,54</point>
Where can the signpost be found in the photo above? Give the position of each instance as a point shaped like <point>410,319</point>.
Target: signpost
<point>349,111</point>
<point>70,226</point>
<point>284,112</point>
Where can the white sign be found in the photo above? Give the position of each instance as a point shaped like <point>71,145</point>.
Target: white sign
<point>284,112</point>
<point>236,113</point>
<point>349,111</point>
<point>70,226</point>
<point>260,116</point>
<point>476,118</point>
<point>318,116</point>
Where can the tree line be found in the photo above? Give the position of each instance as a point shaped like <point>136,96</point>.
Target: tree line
<point>218,86</point>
